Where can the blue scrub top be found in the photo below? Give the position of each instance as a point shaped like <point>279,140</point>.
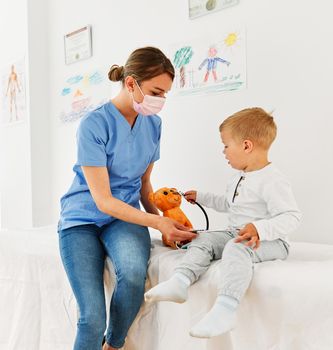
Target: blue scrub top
<point>105,139</point>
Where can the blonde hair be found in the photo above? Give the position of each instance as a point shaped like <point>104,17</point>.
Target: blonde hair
<point>143,64</point>
<point>253,124</point>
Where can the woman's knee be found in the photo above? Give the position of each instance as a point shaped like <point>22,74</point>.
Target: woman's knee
<point>93,321</point>
<point>133,275</point>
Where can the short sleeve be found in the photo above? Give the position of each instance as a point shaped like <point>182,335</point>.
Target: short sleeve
<point>156,155</point>
<point>91,141</point>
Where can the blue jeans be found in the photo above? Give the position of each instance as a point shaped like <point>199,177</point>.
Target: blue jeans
<point>83,251</point>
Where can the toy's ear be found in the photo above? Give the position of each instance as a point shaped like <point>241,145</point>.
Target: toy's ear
<point>151,197</point>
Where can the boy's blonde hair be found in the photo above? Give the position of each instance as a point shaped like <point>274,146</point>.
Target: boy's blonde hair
<point>253,124</point>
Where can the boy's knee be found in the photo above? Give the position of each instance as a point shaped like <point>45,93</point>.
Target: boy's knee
<point>232,246</point>
<point>202,245</point>
<point>202,241</point>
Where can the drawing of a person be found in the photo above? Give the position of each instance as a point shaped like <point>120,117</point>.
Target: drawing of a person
<point>12,89</point>
<point>211,62</point>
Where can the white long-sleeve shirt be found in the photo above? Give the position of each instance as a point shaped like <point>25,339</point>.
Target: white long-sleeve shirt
<point>263,198</point>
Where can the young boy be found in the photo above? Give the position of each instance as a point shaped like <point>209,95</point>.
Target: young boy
<point>262,212</point>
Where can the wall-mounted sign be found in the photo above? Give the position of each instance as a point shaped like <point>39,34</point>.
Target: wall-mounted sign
<point>78,45</point>
<point>204,7</point>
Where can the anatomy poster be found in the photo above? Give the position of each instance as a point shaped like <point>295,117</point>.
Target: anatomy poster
<point>80,94</point>
<point>13,95</point>
<point>210,65</point>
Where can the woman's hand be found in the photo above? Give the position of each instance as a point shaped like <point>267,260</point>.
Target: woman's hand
<point>250,234</point>
<point>173,231</point>
<point>191,196</point>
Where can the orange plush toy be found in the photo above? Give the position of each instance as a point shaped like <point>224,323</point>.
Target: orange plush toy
<point>168,201</point>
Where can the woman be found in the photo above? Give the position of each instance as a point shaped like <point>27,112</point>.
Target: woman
<point>118,144</point>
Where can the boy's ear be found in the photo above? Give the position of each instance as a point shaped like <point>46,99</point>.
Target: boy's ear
<point>151,197</point>
<point>248,146</point>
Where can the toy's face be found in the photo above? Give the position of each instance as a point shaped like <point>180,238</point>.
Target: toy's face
<point>166,198</point>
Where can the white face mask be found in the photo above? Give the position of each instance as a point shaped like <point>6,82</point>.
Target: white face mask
<point>150,104</point>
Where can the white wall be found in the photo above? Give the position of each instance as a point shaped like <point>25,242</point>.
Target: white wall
<point>15,155</point>
<point>41,145</point>
<point>289,70</point>
<point>25,159</point>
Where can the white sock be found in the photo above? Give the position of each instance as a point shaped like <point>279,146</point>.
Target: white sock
<point>174,289</point>
<point>220,319</point>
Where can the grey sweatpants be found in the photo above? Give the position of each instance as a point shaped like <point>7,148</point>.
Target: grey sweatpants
<point>237,259</point>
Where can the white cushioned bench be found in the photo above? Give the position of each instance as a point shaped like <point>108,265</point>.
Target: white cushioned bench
<point>289,305</point>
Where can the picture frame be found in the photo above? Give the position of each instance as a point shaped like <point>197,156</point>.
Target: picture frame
<point>78,45</point>
<point>198,8</point>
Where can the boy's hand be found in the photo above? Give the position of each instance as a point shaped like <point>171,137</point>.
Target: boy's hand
<point>191,196</point>
<point>250,234</point>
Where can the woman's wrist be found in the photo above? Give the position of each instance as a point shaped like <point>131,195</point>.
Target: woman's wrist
<point>156,221</point>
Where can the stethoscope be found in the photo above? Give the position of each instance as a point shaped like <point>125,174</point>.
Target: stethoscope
<point>203,210</point>
<point>195,231</point>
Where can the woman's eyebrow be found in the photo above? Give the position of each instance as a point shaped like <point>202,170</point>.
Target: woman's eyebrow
<point>157,88</point>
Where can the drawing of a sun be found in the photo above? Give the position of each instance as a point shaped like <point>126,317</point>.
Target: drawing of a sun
<point>231,42</point>
<point>231,39</point>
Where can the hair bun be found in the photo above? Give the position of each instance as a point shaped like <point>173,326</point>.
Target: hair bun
<point>116,73</point>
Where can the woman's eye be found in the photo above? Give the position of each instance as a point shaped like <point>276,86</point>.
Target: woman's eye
<point>159,94</point>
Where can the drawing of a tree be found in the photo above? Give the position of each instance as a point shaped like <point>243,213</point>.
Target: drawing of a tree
<point>182,58</point>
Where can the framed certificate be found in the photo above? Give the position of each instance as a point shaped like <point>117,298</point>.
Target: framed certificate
<point>199,8</point>
<point>78,45</point>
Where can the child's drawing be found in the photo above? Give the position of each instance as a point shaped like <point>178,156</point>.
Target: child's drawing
<point>208,66</point>
<point>181,59</point>
<point>211,62</point>
<point>81,94</point>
